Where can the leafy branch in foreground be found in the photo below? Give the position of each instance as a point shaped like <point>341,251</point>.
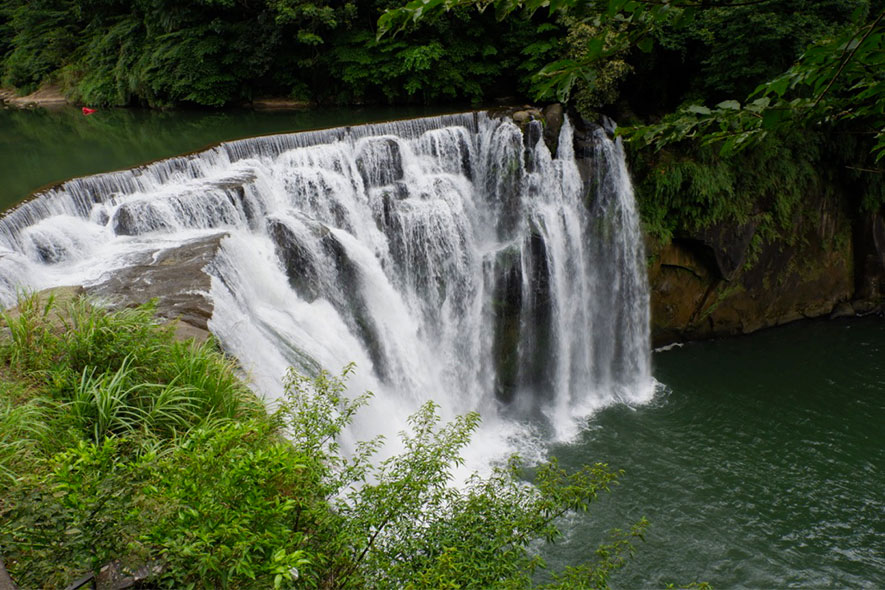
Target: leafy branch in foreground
<point>840,81</point>
<point>406,526</point>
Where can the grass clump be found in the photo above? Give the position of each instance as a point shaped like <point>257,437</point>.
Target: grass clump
<point>92,407</point>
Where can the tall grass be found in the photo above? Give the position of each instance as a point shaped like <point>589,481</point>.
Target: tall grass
<point>107,374</point>
<point>110,404</point>
<point>29,330</point>
<point>22,428</point>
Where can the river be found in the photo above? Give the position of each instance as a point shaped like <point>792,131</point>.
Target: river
<point>759,462</point>
<point>40,147</point>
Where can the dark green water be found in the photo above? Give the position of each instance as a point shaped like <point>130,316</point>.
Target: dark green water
<point>761,466</point>
<point>40,147</point>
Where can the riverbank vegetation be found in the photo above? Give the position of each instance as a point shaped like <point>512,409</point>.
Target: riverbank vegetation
<point>693,84</point>
<point>124,452</point>
<point>225,52</point>
<point>733,110</point>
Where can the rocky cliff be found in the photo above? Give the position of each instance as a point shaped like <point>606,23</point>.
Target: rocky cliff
<point>727,280</point>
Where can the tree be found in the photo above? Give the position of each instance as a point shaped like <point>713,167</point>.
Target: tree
<point>405,526</point>
<point>837,80</point>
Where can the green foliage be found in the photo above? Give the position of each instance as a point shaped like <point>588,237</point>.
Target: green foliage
<point>135,473</point>
<point>44,35</point>
<point>72,512</point>
<point>685,188</point>
<point>22,425</point>
<point>615,27</point>
<point>735,47</point>
<point>405,526</point>
<point>835,83</point>
<point>459,56</point>
<point>98,374</point>
<point>601,89</point>
<point>233,500</point>
<point>164,53</point>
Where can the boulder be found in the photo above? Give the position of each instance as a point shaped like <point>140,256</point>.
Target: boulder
<point>524,115</point>
<point>842,310</point>
<point>175,277</point>
<point>379,161</point>
<point>136,218</point>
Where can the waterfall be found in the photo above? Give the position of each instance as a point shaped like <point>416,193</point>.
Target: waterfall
<point>452,258</point>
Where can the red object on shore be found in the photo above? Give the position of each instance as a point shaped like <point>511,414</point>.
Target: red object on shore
<point>88,111</point>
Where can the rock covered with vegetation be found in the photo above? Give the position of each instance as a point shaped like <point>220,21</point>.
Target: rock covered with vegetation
<point>128,455</point>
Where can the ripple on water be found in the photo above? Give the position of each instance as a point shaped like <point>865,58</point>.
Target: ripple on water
<point>758,463</point>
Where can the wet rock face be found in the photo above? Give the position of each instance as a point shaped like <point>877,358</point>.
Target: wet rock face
<point>713,284</point>
<point>506,306</point>
<point>869,244</point>
<point>728,246</point>
<point>379,161</point>
<point>301,267</point>
<point>174,277</point>
<point>554,116</point>
<point>315,273</point>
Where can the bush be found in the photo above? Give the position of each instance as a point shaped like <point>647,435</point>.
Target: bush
<point>120,446</point>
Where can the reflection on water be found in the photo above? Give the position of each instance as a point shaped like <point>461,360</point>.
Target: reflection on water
<point>40,147</point>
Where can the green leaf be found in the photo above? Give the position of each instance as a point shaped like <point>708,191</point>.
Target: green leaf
<point>779,85</point>
<point>698,109</point>
<point>772,118</point>
<point>729,105</point>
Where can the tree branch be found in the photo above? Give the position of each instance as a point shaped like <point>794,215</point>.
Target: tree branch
<point>872,170</point>
<point>848,59</point>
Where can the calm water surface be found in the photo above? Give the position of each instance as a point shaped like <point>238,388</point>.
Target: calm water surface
<point>761,466</point>
<point>40,147</point>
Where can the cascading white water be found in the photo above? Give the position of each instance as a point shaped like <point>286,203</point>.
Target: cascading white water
<point>451,258</point>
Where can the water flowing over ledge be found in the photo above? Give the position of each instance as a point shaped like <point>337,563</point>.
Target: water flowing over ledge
<point>452,258</point>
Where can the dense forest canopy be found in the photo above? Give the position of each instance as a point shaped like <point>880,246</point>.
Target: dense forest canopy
<point>225,52</point>
<point>801,81</point>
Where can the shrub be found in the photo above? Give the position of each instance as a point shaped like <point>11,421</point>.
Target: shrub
<point>119,445</point>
